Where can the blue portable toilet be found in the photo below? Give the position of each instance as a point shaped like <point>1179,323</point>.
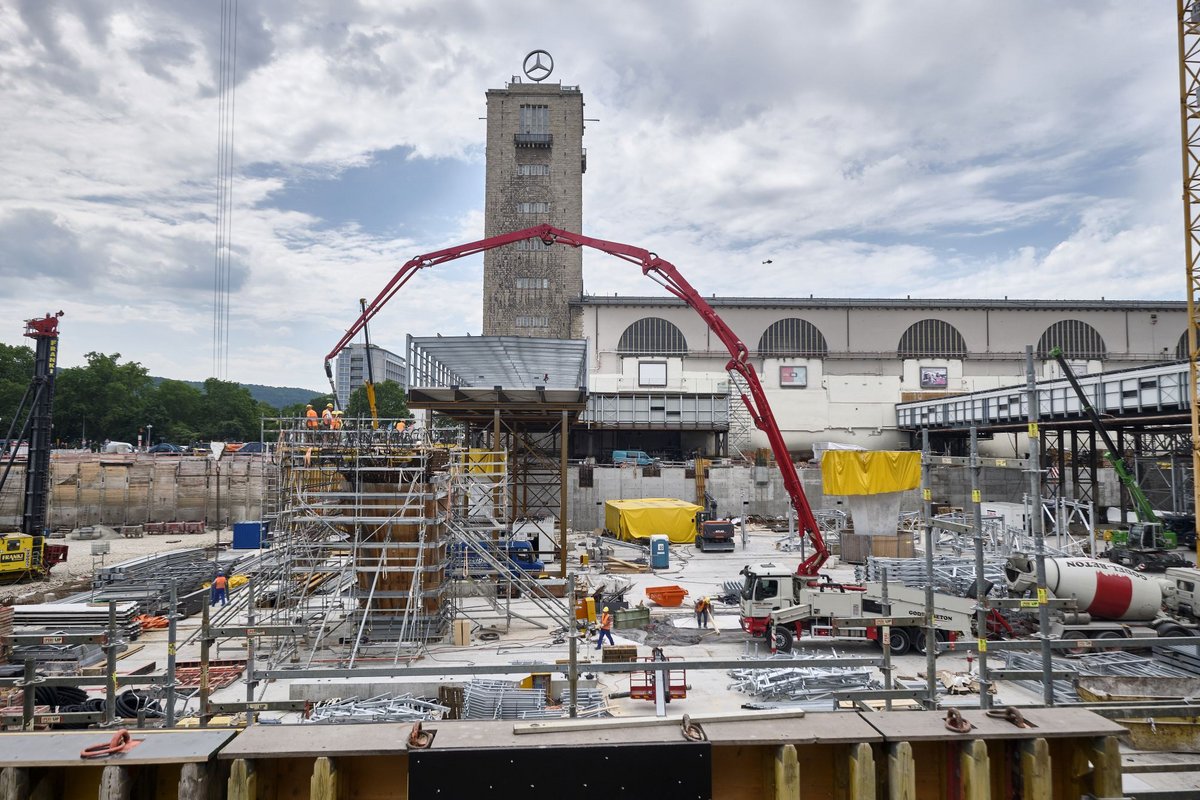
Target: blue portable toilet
<point>660,553</point>
<point>248,535</point>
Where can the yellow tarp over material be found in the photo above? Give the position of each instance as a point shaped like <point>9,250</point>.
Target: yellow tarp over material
<point>869,472</point>
<point>638,519</point>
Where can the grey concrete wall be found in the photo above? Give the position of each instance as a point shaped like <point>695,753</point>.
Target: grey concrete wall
<point>89,489</point>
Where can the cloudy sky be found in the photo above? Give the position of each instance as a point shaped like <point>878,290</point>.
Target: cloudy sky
<point>945,148</point>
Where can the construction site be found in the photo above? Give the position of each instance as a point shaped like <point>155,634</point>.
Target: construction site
<point>598,561</point>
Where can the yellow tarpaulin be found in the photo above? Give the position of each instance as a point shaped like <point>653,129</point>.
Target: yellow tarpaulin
<point>639,519</point>
<point>869,472</point>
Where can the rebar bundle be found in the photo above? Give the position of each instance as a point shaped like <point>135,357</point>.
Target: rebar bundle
<point>951,574</point>
<point>801,684</point>
<point>1114,663</point>
<point>381,708</point>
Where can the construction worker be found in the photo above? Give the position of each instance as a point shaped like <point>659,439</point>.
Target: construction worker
<point>703,606</point>
<point>606,621</point>
<point>336,422</point>
<point>400,426</point>
<point>220,590</point>
<point>327,415</point>
<point>311,414</point>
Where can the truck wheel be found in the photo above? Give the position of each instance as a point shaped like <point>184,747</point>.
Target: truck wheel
<point>918,641</point>
<point>782,642</point>
<point>899,641</point>
<point>1075,636</point>
<point>1108,635</point>
<point>1173,630</point>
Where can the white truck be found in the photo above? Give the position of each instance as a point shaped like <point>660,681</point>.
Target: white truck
<point>1111,601</point>
<point>779,604</point>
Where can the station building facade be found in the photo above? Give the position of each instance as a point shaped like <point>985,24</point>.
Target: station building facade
<point>834,368</point>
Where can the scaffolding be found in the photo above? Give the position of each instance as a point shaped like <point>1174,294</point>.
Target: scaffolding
<point>361,543</point>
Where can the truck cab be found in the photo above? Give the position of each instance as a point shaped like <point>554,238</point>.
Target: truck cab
<point>1181,595</point>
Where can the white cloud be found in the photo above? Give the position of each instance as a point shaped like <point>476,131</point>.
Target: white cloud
<point>932,148</point>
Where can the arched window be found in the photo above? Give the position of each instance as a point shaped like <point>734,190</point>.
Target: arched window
<point>1181,349</point>
<point>1075,338</point>
<point>932,338</point>
<point>793,337</point>
<point>652,336</point>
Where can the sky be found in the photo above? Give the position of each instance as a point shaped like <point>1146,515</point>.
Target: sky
<point>931,148</point>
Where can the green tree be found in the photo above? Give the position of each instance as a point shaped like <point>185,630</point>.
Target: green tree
<point>103,400</point>
<point>390,400</point>
<point>16,370</point>
<point>230,412</point>
<point>182,407</point>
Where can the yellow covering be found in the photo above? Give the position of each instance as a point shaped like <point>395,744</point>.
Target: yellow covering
<point>639,519</point>
<point>869,472</point>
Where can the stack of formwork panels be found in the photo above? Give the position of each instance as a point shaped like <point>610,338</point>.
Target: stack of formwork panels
<point>400,564</point>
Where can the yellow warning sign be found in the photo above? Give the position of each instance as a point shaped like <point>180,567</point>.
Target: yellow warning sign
<point>1042,598</point>
<point>1033,430</point>
<point>975,495</point>
<point>983,645</point>
<point>927,494</point>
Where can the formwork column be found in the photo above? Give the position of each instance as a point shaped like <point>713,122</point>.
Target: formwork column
<point>243,780</point>
<point>975,771</point>
<point>1035,770</point>
<point>14,783</point>
<point>1106,767</point>
<point>324,782</point>
<point>194,779</point>
<point>862,772</point>
<point>902,772</point>
<point>562,495</point>
<point>787,773</point>
<point>115,783</point>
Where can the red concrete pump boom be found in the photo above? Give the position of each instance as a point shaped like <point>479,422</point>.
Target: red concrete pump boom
<point>665,274</point>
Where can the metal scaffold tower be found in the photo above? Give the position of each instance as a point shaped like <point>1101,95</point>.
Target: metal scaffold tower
<point>361,544</point>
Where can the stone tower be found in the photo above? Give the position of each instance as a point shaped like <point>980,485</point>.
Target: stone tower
<point>535,166</point>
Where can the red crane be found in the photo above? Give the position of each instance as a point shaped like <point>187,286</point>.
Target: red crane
<point>665,274</point>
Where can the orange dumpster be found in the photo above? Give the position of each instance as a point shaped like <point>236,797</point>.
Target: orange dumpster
<point>670,596</point>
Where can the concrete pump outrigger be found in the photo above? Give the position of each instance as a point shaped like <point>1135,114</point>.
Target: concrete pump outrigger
<point>664,273</point>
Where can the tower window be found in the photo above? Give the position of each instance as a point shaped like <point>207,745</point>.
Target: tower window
<point>533,322</point>
<point>533,208</point>
<point>533,169</point>
<point>533,283</point>
<point>532,244</point>
<point>535,119</point>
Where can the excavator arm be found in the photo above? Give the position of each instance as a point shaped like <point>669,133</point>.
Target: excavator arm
<point>665,274</point>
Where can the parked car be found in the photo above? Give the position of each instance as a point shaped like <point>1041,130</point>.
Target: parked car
<point>638,457</point>
<point>118,447</point>
<point>167,448</point>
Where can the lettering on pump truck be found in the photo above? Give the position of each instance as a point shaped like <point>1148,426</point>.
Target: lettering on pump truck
<point>53,354</point>
<point>11,558</point>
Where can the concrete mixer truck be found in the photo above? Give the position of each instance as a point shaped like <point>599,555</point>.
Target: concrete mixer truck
<point>1111,601</point>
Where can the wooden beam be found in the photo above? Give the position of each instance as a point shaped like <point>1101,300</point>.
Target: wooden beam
<point>787,773</point>
<point>902,772</point>
<point>194,779</point>
<point>14,783</point>
<point>975,773</point>
<point>324,782</point>
<point>115,783</point>
<point>1106,767</point>
<point>1036,775</point>
<point>862,772</point>
<point>243,780</point>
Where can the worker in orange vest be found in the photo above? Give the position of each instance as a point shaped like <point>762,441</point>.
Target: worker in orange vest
<point>606,621</point>
<point>327,415</point>
<point>311,414</point>
<point>703,609</point>
<point>220,590</point>
<point>336,422</point>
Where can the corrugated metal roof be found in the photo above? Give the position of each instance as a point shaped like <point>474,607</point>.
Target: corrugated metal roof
<point>512,362</point>
<point>898,303</point>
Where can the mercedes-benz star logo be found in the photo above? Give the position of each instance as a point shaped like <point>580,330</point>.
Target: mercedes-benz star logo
<point>535,69</point>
